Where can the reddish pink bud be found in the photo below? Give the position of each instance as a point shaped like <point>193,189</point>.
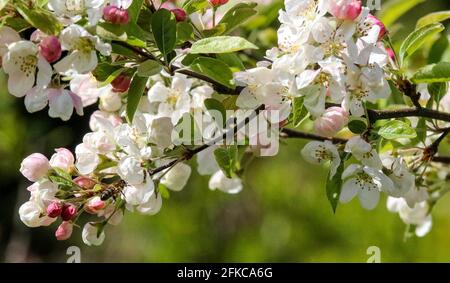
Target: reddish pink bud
<point>115,15</point>
<point>121,83</point>
<point>54,209</point>
<point>84,182</point>
<point>94,205</point>
<point>64,231</point>
<point>331,122</point>
<point>390,53</point>
<point>216,3</point>
<point>68,212</point>
<point>50,49</point>
<point>180,14</point>
<point>345,9</point>
<point>376,22</point>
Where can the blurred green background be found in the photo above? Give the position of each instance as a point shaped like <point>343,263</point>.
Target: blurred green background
<point>282,215</point>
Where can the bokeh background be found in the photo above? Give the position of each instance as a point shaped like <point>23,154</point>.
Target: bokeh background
<point>282,215</point>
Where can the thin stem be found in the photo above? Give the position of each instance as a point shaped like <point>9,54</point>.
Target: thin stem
<point>290,133</point>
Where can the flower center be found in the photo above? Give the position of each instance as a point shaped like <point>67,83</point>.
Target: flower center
<point>321,154</point>
<point>27,64</point>
<point>173,98</point>
<point>75,6</point>
<point>364,181</point>
<point>84,44</point>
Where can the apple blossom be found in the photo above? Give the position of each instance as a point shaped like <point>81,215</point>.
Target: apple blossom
<point>68,212</point>
<point>221,182</point>
<point>345,9</point>
<point>322,152</point>
<point>63,159</point>
<point>331,122</point>
<point>50,49</point>
<point>180,14</point>
<point>84,182</point>
<point>90,235</point>
<point>116,15</point>
<point>121,83</point>
<point>7,36</point>
<point>176,178</point>
<point>64,231</point>
<point>54,209</point>
<point>34,166</point>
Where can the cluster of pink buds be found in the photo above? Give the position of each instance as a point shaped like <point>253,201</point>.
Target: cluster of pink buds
<point>115,15</point>
<point>217,3</point>
<point>67,212</point>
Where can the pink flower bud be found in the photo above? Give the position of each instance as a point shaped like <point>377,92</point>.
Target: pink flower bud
<point>115,15</point>
<point>216,3</point>
<point>331,122</point>
<point>63,159</point>
<point>390,53</point>
<point>34,167</point>
<point>84,182</point>
<point>50,49</point>
<point>68,212</point>
<point>121,83</point>
<point>376,22</point>
<point>345,9</point>
<point>54,209</point>
<point>94,205</point>
<point>180,14</point>
<point>64,231</point>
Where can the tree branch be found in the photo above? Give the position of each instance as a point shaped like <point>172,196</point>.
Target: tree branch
<point>290,133</point>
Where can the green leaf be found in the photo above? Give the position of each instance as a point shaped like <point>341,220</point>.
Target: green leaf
<point>357,126</point>
<point>134,10</point>
<point>40,19</point>
<point>221,44</point>
<point>438,49</point>
<point>417,38</point>
<point>148,68</point>
<point>135,93</point>
<point>165,193</point>
<point>333,186</point>
<point>192,6</point>
<point>164,27</point>
<point>432,18</point>
<point>394,9</point>
<point>62,173</point>
<point>435,73</point>
<point>397,129</point>
<point>437,91</point>
<point>421,130</point>
<point>299,112</point>
<point>236,16</point>
<point>111,31</point>
<point>104,70</point>
<point>61,182</point>
<point>185,32</point>
<point>227,159</point>
<point>215,105</point>
<point>232,60</point>
<point>214,69</point>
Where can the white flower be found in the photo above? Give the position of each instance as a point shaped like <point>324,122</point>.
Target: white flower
<point>74,9</point>
<point>43,193</point>
<point>87,158</point>
<point>363,152</point>
<point>173,101</point>
<point>90,235</point>
<point>221,182</point>
<point>176,178</point>
<point>206,161</point>
<point>403,179</point>
<point>110,101</point>
<point>31,215</point>
<point>320,153</point>
<point>20,63</point>
<point>366,182</point>
<point>7,36</point>
<point>138,194</point>
<point>86,87</point>
<point>82,46</point>
<point>152,206</point>
<point>129,169</point>
<point>161,131</point>
<point>419,215</point>
<point>62,102</point>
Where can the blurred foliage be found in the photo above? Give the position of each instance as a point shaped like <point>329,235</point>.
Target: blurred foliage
<point>282,215</point>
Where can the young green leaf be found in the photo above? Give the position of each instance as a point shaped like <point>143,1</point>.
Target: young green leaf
<point>227,159</point>
<point>333,186</point>
<point>236,16</point>
<point>432,18</point>
<point>438,49</point>
<point>40,19</point>
<point>135,93</point>
<point>437,91</point>
<point>299,112</point>
<point>435,73</point>
<point>191,6</point>
<point>215,105</point>
<point>214,69</point>
<point>134,10</point>
<point>164,27</point>
<point>397,129</point>
<point>221,44</point>
<point>417,38</point>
